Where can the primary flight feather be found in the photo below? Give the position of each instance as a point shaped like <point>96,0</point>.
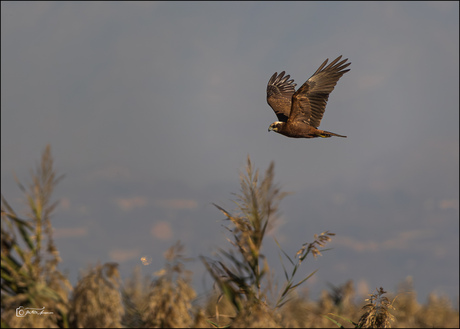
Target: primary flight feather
<point>300,112</point>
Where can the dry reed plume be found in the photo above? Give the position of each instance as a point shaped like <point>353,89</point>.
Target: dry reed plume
<point>240,272</point>
<point>30,277</point>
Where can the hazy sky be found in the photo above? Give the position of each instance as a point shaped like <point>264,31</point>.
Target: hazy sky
<point>152,108</point>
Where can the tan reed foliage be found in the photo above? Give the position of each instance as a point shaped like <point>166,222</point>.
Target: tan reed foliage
<point>377,314</point>
<point>168,304</point>
<point>300,312</point>
<point>240,278</point>
<point>96,300</point>
<point>242,273</point>
<point>30,277</point>
<point>438,313</point>
<point>135,292</point>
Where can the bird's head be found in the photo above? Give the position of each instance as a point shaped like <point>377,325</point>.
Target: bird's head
<point>276,126</point>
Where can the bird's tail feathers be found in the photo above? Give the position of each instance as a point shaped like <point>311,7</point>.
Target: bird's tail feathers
<point>327,134</point>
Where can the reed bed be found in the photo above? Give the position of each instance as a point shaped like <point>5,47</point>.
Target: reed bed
<point>166,299</point>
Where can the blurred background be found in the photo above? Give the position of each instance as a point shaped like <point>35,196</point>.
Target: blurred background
<point>152,108</point>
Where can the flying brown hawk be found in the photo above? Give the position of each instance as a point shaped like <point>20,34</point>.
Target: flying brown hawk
<point>300,112</point>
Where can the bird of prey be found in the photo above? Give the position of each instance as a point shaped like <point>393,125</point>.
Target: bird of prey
<point>300,112</point>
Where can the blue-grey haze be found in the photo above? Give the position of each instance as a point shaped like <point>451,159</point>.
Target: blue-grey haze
<point>151,109</point>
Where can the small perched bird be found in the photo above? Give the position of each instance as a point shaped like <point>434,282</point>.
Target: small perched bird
<point>300,112</point>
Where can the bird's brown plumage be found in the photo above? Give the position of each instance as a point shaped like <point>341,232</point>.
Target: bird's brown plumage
<point>300,112</point>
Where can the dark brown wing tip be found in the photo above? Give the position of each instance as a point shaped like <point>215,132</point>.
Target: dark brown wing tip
<point>281,82</point>
<point>334,65</point>
<point>340,66</point>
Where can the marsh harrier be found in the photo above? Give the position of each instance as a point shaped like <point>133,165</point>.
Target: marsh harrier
<point>300,112</point>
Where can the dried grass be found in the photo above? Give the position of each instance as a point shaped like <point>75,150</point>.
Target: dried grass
<point>169,303</point>
<point>96,300</point>
<point>242,273</point>
<point>30,277</point>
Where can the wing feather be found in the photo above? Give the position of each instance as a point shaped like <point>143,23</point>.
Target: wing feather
<point>309,101</point>
<point>279,94</point>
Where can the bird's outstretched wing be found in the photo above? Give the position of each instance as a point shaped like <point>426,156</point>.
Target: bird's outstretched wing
<point>309,101</point>
<point>279,94</point>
